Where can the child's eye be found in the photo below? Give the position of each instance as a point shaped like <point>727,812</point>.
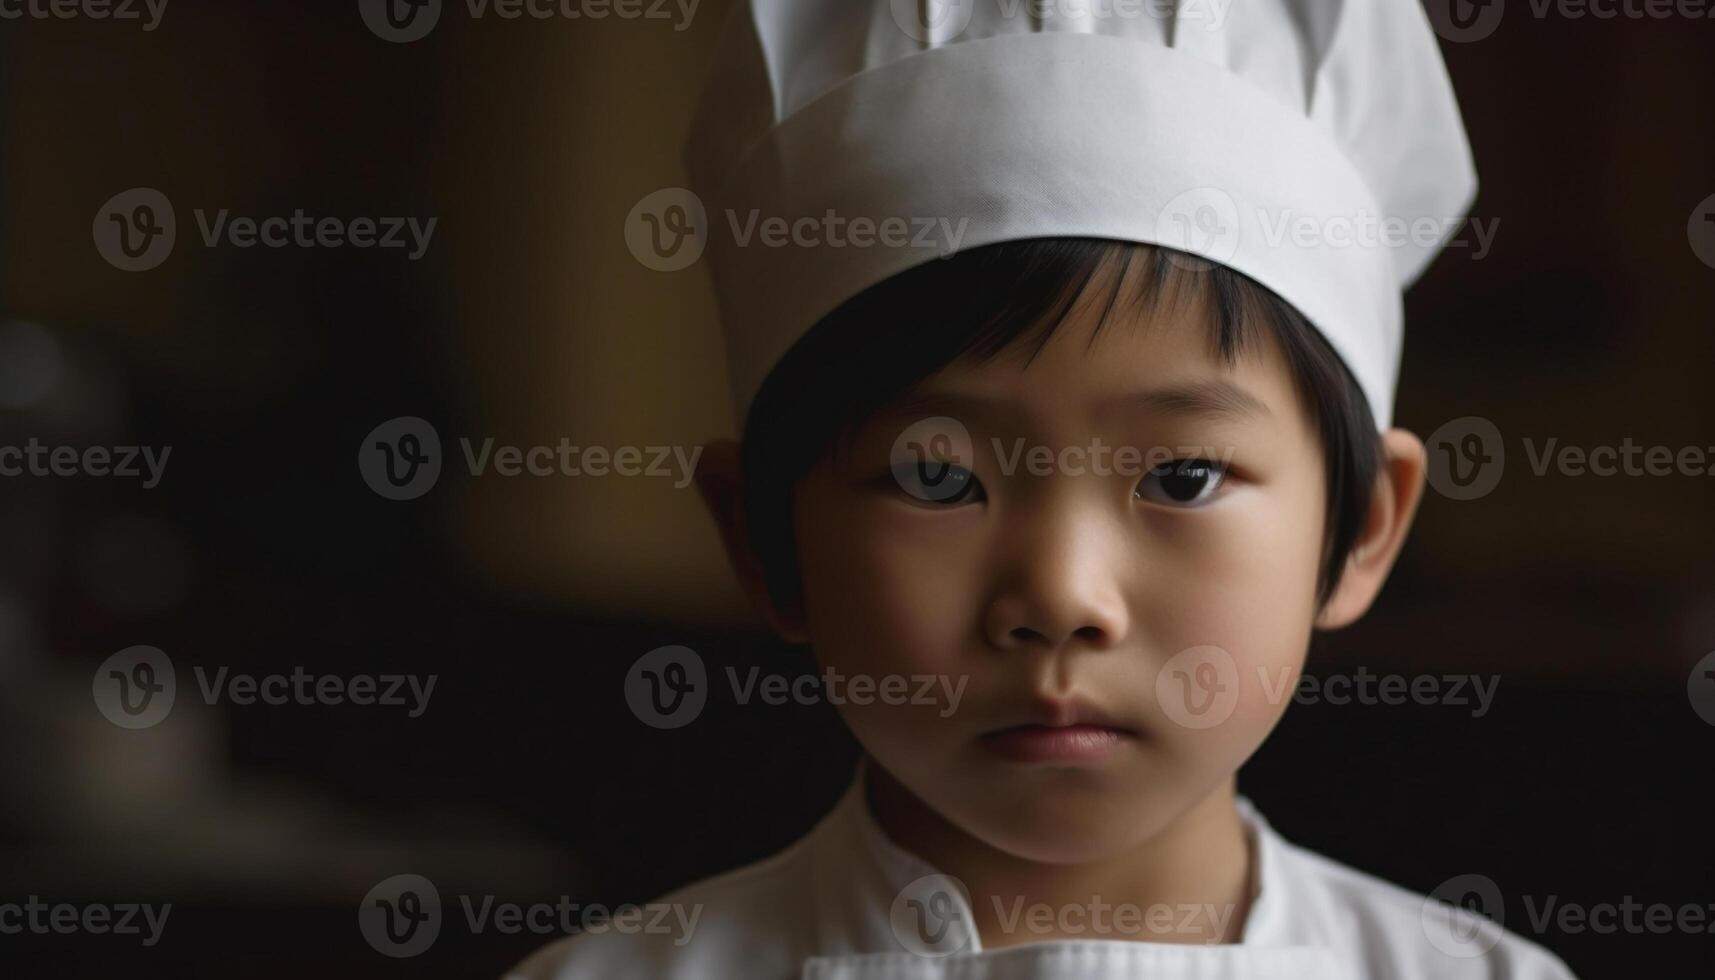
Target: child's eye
<point>1182,482</point>
<point>937,482</point>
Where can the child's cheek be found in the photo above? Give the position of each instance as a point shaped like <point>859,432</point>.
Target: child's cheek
<point>889,601</point>
<point>1240,601</point>
<point>890,592</point>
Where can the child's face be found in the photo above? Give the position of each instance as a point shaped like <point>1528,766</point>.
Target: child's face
<point>1064,587</point>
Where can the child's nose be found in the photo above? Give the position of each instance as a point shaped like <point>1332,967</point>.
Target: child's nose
<point>1057,587</point>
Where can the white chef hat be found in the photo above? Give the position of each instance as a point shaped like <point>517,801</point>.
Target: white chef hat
<point>1314,145</point>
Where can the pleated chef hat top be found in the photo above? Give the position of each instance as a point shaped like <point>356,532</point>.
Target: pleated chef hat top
<point>1267,135</point>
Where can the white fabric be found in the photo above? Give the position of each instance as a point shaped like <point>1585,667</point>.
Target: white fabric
<point>820,910</point>
<point>1248,118</point>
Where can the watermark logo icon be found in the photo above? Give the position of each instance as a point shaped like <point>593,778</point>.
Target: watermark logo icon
<point>1462,21</point>
<point>1701,230</point>
<point>1466,458</point>
<point>135,230</point>
<point>1700,688</point>
<point>401,917</point>
<point>400,459</point>
<point>931,917</point>
<point>1199,687</point>
<point>667,687</point>
<point>667,230</point>
<point>933,458</point>
<point>930,21</point>
<point>1202,222</point>
<point>135,687</point>
<point>400,21</point>
<point>1463,915</point>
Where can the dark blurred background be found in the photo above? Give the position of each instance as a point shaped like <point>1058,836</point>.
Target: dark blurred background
<point>528,320</point>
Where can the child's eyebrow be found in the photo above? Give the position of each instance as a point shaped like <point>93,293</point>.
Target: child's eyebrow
<point>1214,400</point>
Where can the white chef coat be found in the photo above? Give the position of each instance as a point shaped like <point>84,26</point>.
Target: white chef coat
<point>820,910</point>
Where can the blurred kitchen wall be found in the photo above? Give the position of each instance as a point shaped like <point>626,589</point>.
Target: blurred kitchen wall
<point>568,334</point>
<point>529,141</point>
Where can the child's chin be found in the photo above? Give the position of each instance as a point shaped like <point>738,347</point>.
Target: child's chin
<point>1066,843</point>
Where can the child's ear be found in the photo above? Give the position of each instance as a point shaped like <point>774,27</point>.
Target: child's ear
<point>1393,503</point>
<point>720,482</point>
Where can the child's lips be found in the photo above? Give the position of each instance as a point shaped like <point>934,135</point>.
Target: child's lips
<point>1079,743</point>
<point>1065,712</point>
<point>1061,730</point>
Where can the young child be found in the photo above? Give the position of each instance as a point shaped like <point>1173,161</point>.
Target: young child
<point>1101,432</point>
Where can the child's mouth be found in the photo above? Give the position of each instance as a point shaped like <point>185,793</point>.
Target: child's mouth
<point>1081,743</point>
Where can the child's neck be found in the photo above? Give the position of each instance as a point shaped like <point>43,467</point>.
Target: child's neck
<point>1191,883</point>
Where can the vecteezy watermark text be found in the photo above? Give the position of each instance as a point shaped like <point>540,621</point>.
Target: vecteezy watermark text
<point>1463,21</point>
<point>1096,459</point>
<point>1207,223</point>
<point>668,230</point>
<point>931,916</point>
<point>567,917</point>
<point>301,687</point>
<point>64,918</point>
<point>1200,688</point>
<point>1467,457</point>
<point>400,459</point>
<point>567,459</point>
<point>124,462</point>
<point>135,230</point>
<point>1098,917</point>
<point>136,688</point>
<point>941,440</point>
<point>836,688</point>
<point>668,688</point>
<point>402,917</point>
<point>304,231</point>
<point>1367,229</point>
<point>404,21</point>
<point>149,12</point>
<point>1463,916</point>
<point>833,230</point>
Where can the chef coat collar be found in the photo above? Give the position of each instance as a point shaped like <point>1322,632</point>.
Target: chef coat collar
<point>863,877</point>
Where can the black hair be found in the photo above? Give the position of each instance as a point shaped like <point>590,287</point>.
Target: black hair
<point>977,303</point>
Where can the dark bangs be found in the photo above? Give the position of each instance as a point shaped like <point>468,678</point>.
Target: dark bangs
<point>978,303</point>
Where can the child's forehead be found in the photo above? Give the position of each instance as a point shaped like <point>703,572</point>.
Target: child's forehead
<point>1213,399</point>
<point>1158,357</point>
